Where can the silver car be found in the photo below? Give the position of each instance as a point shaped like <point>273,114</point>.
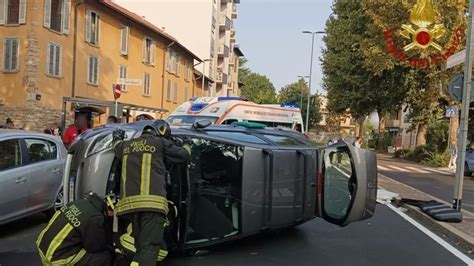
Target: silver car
<point>239,181</point>
<point>31,170</point>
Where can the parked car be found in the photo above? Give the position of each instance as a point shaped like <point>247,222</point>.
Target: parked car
<point>469,162</point>
<point>240,181</point>
<point>31,170</point>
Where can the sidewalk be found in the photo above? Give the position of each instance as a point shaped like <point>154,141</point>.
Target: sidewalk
<point>461,233</point>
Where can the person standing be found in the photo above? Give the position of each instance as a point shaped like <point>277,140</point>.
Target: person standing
<point>454,156</point>
<point>143,187</point>
<point>358,142</point>
<point>80,125</point>
<point>80,233</point>
<point>10,124</point>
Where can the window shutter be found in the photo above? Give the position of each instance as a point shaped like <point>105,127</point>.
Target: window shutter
<point>7,52</point>
<point>50,59</point>
<point>178,59</point>
<point>14,66</point>
<point>168,91</point>
<point>124,40</point>
<point>22,16</point>
<point>153,52</point>
<point>66,16</point>
<point>90,68</point>
<point>144,51</point>
<point>168,60</point>
<point>47,14</point>
<point>57,62</point>
<point>96,72</point>
<point>88,27</point>
<point>175,96</point>
<point>3,10</point>
<point>97,29</point>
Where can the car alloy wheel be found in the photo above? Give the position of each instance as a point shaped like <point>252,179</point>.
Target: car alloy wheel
<point>59,202</point>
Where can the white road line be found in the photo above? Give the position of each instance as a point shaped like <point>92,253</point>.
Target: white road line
<point>418,170</point>
<point>399,169</point>
<point>436,171</point>
<point>382,168</point>
<point>433,236</point>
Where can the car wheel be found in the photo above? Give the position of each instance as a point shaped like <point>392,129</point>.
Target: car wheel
<point>466,170</point>
<point>58,203</point>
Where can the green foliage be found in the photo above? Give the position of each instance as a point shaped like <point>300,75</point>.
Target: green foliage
<point>438,159</point>
<point>437,136</point>
<point>401,153</point>
<point>297,93</point>
<point>419,154</point>
<point>256,87</point>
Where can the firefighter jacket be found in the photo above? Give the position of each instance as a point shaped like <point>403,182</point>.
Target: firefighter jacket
<point>143,175</point>
<point>78,228</point>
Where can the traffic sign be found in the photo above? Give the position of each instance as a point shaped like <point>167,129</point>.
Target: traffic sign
<point>117,90</point>
<point>132,82</point>
<point>455,88</point>
<point>451,111</point>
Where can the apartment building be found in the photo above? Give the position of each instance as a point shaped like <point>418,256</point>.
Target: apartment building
<point>207,28</point>
<point>56,48</point>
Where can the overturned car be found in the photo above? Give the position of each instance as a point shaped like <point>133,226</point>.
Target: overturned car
<point>240,180</point>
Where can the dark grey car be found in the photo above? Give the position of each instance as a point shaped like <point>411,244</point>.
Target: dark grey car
<point>31,170</point>
<point>240,181</point>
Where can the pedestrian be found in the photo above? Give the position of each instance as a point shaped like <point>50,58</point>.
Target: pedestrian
<point>143,196</point>
<point>112,119</point>
<point>80,233</point>
<point>53,130</point>
<point>358,142</point>
<point>80,125</point>
<point>10,124</point>
<point>454,156</point>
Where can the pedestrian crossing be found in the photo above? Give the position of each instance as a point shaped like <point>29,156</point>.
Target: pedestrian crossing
<point>411,169</point>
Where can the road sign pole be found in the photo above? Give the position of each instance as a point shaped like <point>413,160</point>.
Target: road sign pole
<point>462,137</point>
<point>115,113</point>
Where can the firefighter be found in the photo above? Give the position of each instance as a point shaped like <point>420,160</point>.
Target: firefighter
<point>143,187</point>
<point>80,233</point>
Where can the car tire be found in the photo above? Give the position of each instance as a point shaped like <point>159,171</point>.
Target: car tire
<point>58,203</point>
<point>466,170</point>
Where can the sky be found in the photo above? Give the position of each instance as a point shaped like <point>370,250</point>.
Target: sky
<point>270,36</point>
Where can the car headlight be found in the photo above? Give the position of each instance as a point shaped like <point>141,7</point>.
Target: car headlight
<point>106,142</point>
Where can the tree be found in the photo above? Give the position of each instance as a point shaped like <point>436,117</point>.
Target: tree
<point>258,88</point>
<point>297,93</point>
<point>244,71</point>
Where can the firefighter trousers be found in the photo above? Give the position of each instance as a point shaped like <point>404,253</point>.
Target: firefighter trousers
<point>95,259</point>
<point>148,229</point>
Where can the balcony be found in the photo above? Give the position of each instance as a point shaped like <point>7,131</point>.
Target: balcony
<point>225,23</point>
<point>393,123</point>
<point>223,50</point>
<point>221,77</point>
<point>234,12</point>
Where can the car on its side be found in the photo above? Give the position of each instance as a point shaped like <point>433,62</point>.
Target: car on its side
<point>31,170</point>
<point>239,181</point>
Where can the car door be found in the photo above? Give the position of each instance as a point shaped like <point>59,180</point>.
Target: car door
<point>13,180</point>
<point>46,170</point>
<point>347,184</point>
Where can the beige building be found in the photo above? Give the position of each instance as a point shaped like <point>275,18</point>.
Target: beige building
<point>52,49</point>
<point>343,124</point>
<point>207,28</point>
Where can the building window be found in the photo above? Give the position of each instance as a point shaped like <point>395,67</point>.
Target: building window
<point>10,54</point>
<point>93,70</point>
<point>148,54</point>
<point>175,95</point>
<point>12,12</point>
<point>168,91</point>
<point>172,62</point>
<point>187,71</point>
<point>92,27</point>
<point>57,14</point>
<point>185,94</point>
<point>124,32</point>
<point>54,59</point>
<point>122,77</point>
<point>146,84</point>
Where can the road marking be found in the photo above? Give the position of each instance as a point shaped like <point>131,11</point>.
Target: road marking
<point>418,170</point>
<point>433,236</point>
<point>436,171</point>
<point>398,168</point>
<point>382,168</point>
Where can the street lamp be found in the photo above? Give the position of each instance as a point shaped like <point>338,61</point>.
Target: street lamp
<point>301,96</point>
<point>310,71</point>
<point>203,62</point>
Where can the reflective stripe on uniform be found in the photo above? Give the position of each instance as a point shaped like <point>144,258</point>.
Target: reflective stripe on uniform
<point>145,175</point>
<point>71,260</point>
<point>143,202</point>
<point>58,240</point>
<point>40,237</point>
<point>128,242</point>
<point>124,174</point>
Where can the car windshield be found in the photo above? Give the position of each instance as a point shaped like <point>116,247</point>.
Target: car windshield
<point>189,119</point>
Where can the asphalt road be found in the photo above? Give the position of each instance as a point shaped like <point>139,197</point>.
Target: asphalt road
<point>385,239</point>
<point>427,179</point>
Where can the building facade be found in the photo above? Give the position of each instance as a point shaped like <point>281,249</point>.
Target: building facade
<point>207,28</point>
<point>64,48</point>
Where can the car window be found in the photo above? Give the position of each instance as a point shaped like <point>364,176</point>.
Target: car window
<point>284,140</point>
<point>239,136</point>
<point>10,155</point>
<point>40,150</point>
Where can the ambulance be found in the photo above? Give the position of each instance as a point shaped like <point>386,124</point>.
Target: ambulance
<point>227,110</point>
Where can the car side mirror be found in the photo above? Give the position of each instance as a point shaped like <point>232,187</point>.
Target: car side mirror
<point>201,124</point>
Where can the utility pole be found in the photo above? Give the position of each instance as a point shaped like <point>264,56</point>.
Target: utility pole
<point>462,140</point>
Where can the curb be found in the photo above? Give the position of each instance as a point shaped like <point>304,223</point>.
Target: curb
<point>445,229</point>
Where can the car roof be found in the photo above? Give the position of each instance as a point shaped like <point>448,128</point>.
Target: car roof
<point>5,133</point>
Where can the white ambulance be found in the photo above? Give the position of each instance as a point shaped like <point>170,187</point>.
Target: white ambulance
<point>227,110</point>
